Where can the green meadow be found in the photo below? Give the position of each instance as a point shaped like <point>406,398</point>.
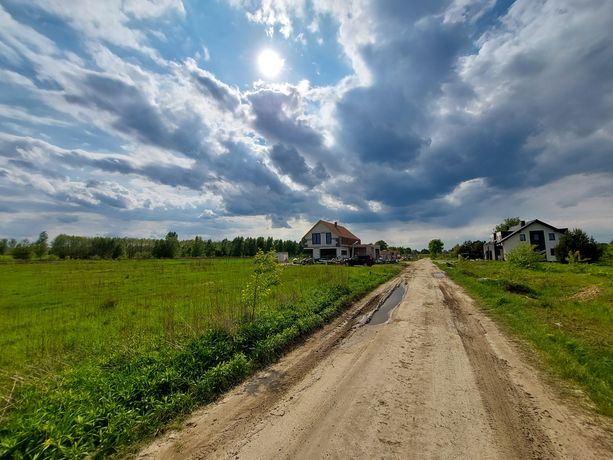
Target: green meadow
<point>565,312</point>
<point>98,354</point>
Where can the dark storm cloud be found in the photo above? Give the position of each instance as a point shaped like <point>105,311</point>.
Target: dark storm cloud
<point>164,173</point>
<point>383,138</point>
<point>540,115</point>
<point>224,95</point>
<point>388,124</point>
<point>289,161</point>
<point>277,117</point>
<point>135,115</point>
<point>257,191</point>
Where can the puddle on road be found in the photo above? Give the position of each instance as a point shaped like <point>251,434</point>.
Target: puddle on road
<point>384,312</point>
<point>439,274</point>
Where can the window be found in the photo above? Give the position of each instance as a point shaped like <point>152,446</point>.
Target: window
<point>551,252</point>
<point>316,238</point>
<point>328,238</point>
<point>522,237</point>
<point>536,236</point>
<point>344,252</point>
<point>552,237</point>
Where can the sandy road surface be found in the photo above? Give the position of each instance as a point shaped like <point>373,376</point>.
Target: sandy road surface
<point>438,380</point>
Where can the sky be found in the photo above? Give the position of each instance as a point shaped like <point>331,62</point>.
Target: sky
<point>402,120</point>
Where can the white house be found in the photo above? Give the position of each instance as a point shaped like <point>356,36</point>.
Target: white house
<point>535,232</point>
<point>327,240</point>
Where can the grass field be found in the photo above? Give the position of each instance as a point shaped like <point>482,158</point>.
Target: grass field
<point>105,352</point>
<point>62,312</point>
<point>564,311</point>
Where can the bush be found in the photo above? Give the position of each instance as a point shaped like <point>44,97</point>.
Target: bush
<point>525,256</point>
<point>22,251</point>
<point>578,247</point>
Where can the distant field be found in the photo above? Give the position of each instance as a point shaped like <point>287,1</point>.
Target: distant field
<point>56,314</point>
<point>564,311</point>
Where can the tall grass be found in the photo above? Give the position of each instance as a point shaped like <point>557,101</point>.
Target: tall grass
<point>111,350</point>
<point>565,312</point>
<point>59,313</point>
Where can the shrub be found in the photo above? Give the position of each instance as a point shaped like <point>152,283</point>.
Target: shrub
<point>525,256</point>
<point>23,251</point>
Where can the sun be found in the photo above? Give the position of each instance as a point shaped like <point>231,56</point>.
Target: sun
<point>270,63</point>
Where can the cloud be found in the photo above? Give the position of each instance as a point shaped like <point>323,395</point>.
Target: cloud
<point>289,161</point>
<point>280,118</point>
<point>113,21</point>
<point>227,97</point>
<point>456,111</point>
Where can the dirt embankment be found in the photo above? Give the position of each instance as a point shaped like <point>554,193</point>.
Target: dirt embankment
<point>438,380</point>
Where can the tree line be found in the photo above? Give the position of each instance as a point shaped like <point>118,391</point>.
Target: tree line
<point>99,247</point>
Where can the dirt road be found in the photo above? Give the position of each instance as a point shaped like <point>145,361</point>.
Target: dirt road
<point>438,380</point>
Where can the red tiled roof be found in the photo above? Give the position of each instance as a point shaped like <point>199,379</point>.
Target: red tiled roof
<point>338,229</point>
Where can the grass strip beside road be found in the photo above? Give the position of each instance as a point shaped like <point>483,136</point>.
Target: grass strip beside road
<point>100,407</point>
<point>565,312</point>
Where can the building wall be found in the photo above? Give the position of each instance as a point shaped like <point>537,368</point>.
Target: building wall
<point>515,240</point>
<point>322,230</point>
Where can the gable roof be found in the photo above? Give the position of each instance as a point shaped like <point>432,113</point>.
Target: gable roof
<point>519,228</point>
<point>338,229</point>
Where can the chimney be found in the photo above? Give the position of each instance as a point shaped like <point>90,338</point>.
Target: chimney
<point>336,224</point>
<point>522,223</point>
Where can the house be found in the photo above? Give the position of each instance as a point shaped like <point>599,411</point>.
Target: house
<point>327,240</point>
<point>535,232</point>
<point>390,255</point>
<point>371,250</point>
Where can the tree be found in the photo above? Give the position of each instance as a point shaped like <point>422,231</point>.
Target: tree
<point>4,245</point>
<point>198,247</point>
<point>574,241</point>
<point>209,248</point>
<point>507,224</point>
<point>435,247</point>
<point>382,245</point>
<point>41,247</point>
<point>236,247</point>
<point>469,250</point>
<point>265,275</point>
<point>166,248</point>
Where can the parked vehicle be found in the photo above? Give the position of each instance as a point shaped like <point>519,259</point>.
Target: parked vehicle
<point>360,260</point>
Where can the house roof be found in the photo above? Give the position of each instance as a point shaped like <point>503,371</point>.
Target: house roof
<point>338,229</point>
<point>519,228</point>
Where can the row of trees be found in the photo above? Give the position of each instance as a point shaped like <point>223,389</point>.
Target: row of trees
<point>83,247</point>
<point>575,245</point>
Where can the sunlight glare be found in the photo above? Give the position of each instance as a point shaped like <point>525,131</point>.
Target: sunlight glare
<point>270,63</point>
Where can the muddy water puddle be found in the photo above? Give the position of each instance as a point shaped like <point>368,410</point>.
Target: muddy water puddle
<point>384,312</point>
